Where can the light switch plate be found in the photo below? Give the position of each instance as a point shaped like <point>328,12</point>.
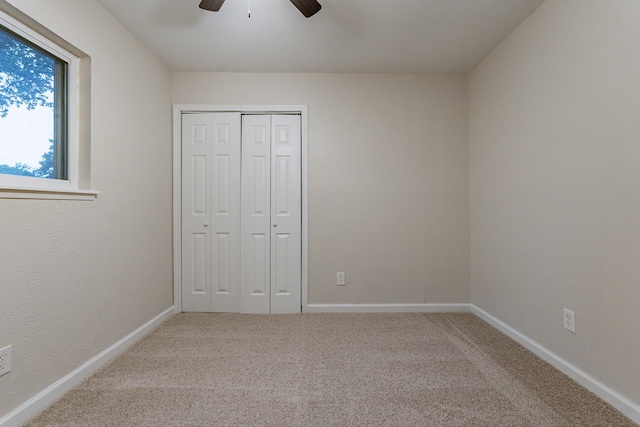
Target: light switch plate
<point>5,360</point>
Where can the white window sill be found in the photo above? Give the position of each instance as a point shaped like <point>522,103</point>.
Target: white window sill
<point>47,194</point>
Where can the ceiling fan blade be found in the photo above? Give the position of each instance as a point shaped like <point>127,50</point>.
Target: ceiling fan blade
<point>212,5</point>
<point>307,7</point>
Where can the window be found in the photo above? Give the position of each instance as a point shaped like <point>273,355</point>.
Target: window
<point>39,114</point>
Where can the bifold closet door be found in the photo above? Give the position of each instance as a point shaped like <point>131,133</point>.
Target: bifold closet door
<point>271,216</point>
<point>241,213</point>
<point>211,146</point>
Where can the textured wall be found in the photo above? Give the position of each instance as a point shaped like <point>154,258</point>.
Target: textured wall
<point>555,174</point>
<point>388,178</point>
<point>77,276</point>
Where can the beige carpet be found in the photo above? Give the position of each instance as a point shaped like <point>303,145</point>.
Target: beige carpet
<point>329,370</point>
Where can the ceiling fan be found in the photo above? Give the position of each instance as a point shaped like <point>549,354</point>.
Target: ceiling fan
<point>307,7</point>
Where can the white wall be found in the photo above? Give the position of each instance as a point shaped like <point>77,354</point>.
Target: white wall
<point>388,185</point>
<point>77,276</point>
<point>555,184</point>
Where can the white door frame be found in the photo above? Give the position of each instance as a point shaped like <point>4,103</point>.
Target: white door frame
<point>178,110</point>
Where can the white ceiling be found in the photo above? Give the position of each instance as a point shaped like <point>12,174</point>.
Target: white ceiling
<point>436,36</point>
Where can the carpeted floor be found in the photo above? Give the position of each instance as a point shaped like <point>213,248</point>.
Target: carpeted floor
<point>328,370</point>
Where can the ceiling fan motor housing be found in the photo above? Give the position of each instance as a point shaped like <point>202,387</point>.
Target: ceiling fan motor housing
<point>307,7</point>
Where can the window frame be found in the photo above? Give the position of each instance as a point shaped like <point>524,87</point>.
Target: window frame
<point>14,186</point>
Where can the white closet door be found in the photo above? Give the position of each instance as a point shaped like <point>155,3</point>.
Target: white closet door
<point>241,213</point>
<point>271,215</point>
<point>286,216</point>
<point>256,214</point>
<point>211,212</point>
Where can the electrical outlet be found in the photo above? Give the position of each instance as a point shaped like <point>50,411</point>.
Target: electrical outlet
<point>5,360</point>
<point>569,320</point>
<point>342,279</point>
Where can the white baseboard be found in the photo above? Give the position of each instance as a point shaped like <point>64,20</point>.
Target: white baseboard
<point>55,391</point>
<point>389,308</point>
<point>615,399</point>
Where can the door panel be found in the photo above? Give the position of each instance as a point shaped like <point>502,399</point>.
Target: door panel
<point>256,214</point>
<point>286,217</point>
<point>225,214</point>
<point>196,291</point>
<point>222,185</point>
<point>198,183</point>
<point>199,266</point>
<point>222,269</point>
<point>210,212</point>
<point>259,175</point>
<point>259,250</point>
<point>281,265</point>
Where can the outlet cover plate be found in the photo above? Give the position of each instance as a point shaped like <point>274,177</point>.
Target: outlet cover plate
<point>569,320</point>
<point>5,360</point>
<point>341,279</point>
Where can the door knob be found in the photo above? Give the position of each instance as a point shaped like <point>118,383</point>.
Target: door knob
<point>275,224</point>
<point>206,224</point>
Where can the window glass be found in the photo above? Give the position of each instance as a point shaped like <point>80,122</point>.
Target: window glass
<point>33,111</point>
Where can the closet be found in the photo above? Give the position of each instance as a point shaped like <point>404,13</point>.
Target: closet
<point>241,213</point>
